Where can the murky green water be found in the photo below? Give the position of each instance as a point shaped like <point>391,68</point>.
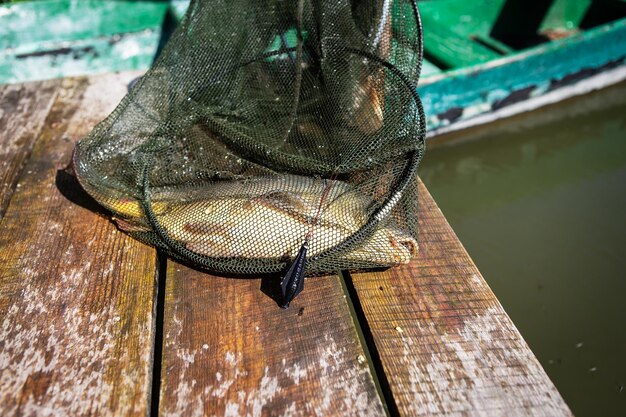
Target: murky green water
<point>540,204</point>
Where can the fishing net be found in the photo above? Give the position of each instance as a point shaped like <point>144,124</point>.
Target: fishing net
<point>268,131</point>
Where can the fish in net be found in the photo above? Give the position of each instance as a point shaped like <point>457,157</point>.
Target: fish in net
<point>271,136</point>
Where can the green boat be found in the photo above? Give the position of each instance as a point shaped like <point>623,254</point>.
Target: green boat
<point>483,60</point>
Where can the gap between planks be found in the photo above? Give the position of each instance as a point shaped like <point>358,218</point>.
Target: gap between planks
<point>446,344</point>
<point>369,346</point>
<point>435,321</point>
<point>157,330</point>
<point>371,355</point>
<point>230,350</point>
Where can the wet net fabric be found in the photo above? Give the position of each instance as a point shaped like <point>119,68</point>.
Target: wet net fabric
<point>265,123</point>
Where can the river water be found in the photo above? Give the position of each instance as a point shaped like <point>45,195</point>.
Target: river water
<point>540,204</point>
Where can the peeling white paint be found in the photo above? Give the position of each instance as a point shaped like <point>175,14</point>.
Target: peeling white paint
<point>470,371</point>
<point>232,410</point>
<point>295,372</point>
<point>339,377</point>
<point>72,347</point>
<point>257,399</point>
<point>478,280</point>
<point>291,411</point>
<point>230,358</point>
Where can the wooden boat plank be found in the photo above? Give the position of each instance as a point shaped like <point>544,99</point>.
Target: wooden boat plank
<point>583,46</point>
<point>458,96</point>
<point>76,296</point>
<point>23,109</point>
<point>445,343</point>
<point>230,350</point>
<point>72,20</point>
<point>465,18</point>
<point>77,37</point>
<point>565,14</point>
<point>428,68</point>
<point>453,50</point>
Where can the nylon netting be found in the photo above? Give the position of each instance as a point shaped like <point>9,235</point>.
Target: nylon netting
<point>265,123</point>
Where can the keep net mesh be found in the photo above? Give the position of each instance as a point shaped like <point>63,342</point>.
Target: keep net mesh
<point>265,123</point>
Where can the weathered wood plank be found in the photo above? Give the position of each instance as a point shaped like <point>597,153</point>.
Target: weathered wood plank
<point>23,109</point>
<point>445,342</point>
<point>230,350</point>
<point>76,297</point>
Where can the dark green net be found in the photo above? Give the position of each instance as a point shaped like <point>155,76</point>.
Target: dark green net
<point>264,123</point>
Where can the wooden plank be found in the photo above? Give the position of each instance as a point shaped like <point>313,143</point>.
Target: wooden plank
<point>61,38</point>
<point>447,49</point>
<point>230,350</point>
<point>76,297</point>
<point>445,342</point>
<point>564,15</point>
<point>550,73</point>
<point>23,109</point>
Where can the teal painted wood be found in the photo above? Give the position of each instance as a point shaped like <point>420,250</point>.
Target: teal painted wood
<point>58,38</point>
<point>28,25</point>
<point>451,49</point>
<point>565,14</point>
<point>85,56</point>
<point>428,68</point>
<point>74,37</point>
<point>467,18</point>
<point>465,93</point>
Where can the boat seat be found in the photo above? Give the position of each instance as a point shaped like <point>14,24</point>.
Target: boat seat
<point>449,50</point>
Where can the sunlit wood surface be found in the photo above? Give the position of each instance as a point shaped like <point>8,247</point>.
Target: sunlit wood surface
<point>84,330</point>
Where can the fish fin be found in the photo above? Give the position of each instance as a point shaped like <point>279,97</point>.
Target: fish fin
<point>283,200</point>
<point>387,246</point>
<point>129,226</point>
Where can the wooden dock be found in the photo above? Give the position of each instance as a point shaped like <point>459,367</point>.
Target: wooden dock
<point>96,323</point>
